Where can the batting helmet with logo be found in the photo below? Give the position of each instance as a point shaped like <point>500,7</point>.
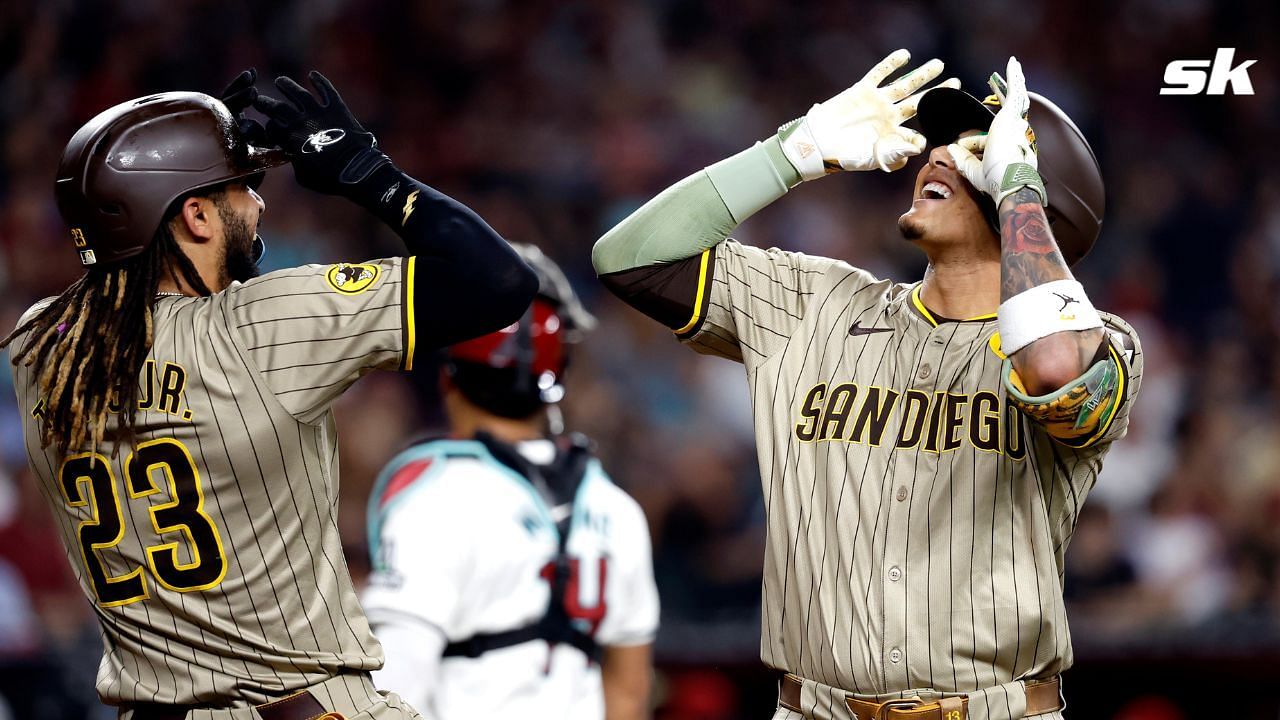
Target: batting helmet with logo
<point>520,368</point>
<point>1072,177</point>
<point>122,171</point>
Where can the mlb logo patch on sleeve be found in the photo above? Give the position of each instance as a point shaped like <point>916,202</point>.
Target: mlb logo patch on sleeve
<point>350,279</point>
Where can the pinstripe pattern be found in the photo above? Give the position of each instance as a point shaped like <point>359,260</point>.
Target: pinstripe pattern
<point>263,361</point>
<point>933,558</point>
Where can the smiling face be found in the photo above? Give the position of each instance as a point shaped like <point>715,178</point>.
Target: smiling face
<point>946,210</point>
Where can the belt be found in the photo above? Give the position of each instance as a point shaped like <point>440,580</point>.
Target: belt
<point>298,706</point>
<point>1042,697</point>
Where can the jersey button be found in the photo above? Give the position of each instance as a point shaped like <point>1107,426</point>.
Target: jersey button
<point>895,656</point>
<point>895,573</point>
<point>924,371</point>
<point>902,493</point>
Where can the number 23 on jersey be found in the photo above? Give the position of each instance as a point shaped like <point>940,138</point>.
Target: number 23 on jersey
<point>87,480</point>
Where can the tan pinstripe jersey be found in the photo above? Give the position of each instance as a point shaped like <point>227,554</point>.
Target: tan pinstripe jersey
<point>208,545</point>
<point>916,520</point>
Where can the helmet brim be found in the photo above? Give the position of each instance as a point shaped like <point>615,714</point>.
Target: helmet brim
<point>258,161</point>
<point>260,158</point>
<point>945,113</point>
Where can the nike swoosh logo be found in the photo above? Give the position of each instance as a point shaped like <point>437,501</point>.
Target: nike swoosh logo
<point>856,329</point>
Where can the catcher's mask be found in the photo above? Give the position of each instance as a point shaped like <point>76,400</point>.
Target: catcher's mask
<point>1072,177</point>
<point>519,369</point>
<point>123,170</point>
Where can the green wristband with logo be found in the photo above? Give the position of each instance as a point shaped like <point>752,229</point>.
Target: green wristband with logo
<point>1018,176</point>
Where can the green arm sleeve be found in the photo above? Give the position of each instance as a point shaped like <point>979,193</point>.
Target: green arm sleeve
<point>699,211</point>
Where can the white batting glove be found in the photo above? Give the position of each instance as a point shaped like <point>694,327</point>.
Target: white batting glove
<point>1008,150</point>
<point>861,128</point>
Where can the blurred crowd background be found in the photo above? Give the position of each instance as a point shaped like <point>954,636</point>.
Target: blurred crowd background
<point>554,119</point>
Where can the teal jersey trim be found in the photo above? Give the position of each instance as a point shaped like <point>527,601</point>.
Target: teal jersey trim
<point>594,473</point>
<point>440,451</point>
<point>375,511</point>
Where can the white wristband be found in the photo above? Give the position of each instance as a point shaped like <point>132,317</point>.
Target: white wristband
<point>801,148</point>
<point>1044,310</point>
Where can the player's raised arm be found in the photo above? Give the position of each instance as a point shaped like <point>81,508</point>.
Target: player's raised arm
<point>667,259</point>
<point>1048,327</point>
<point>460,261</point>
<point>1065,369</point>
<point>859,129</point>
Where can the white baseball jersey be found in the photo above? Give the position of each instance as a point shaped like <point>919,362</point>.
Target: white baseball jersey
<point>462,542</point>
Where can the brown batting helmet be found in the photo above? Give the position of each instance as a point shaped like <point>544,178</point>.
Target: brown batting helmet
<point>123,170</point>
<point>1072,177</point>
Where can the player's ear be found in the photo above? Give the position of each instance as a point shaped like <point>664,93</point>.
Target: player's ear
<point>196,216</point>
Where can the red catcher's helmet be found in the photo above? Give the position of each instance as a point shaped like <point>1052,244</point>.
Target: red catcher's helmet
<point>1072,177</point>
<point>122,171</point>
<point>515,371</point>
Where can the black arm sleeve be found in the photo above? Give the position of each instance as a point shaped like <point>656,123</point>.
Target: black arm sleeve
<point>667,292</point>
<point>468,280</point>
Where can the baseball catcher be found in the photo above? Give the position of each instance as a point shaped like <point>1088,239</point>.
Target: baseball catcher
<point>512,577</point>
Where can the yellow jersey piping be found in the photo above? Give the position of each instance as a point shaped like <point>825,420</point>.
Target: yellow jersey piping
<point>409,330</point>
<point>697,301</point>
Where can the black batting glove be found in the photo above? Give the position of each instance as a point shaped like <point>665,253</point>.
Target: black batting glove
<point>238,96</point>
<point>330,150</point>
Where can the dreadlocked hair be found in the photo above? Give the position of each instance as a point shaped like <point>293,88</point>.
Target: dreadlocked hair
<point>88,345</point>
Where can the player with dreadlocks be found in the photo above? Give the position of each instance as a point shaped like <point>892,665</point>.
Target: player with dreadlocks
<point>177,406</point>
<point>96,334</point>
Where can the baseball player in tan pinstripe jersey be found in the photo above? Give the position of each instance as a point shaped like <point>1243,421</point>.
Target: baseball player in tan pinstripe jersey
<point>925,448</point>
<point>177,409</point>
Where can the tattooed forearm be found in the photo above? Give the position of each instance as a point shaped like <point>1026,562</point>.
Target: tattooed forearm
<point>1022,271</point>
<point>1026,229</point>
<point>1029,256</point>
